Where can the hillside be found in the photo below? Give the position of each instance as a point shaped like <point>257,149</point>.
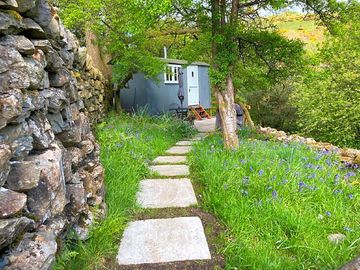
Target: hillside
<point>295,26</point>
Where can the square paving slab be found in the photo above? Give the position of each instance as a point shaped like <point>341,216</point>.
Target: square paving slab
<point>179,150</point>
<point>171,170</point>
<point>162,193</point>
<point>163,240</point>
<point>184,143</point>
<point>169,159</point>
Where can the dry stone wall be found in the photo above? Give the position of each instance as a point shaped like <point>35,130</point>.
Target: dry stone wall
<point>51,180</point>
<point>349,156</point>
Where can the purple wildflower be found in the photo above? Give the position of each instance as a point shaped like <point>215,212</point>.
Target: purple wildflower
<point>348,229</point>
<point>337,191</point>
<point>244,192</point>
<point>351,196</point>
<point>302,185</point>
<point>328,213</point>
<point>311,176</point>
<point>349,174</point>
<point>328,162</point>
<point>284,181</point>
<point>261,172</point>
<point>242,161</point>
<point>274,194</point>
<point>269,188</point>
<point>336,180</point>
<point>251,168</point>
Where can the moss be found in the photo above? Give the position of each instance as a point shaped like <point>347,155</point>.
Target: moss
<point>14,14</point>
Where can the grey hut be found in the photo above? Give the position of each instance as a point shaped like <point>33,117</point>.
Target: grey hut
<point>161,96</point>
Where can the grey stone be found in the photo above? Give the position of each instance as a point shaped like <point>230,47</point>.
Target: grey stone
<point>353,265</point>
<point>79,130</point>
<point>162,193</point>
<point>13,70</point>
<point>68,58</point>
<point>53,28</point>
<point>170,160</point>
<point>10,106</point>
<point>41,13</point>
<point>19,139</point>
<point>48,198</point>
<point>170,170</point>
<point>55,99</point>
<point>36,74</point>
<point>8,4</point>
<point>205,125</point>
<point>21,43</point>
<point>10,22</point>
<point>336,238</point>
<point>10,229</point>
<point>32,29</point>
<point>54,60</point>
<point>37,250</point>
<point>163,240</point>
<point>41,131</point>
<point>60,78</point>
<point>178,150</point>
<point>82,56</point>
<point>57,123</point>
<point>42,44</point>
<point>71,42</point>
<point>5,155</point>
<point>185,143</point>
<point>11,202</point>
<point>25,5</point>
<point>77,199</point>
<point>24,175</point>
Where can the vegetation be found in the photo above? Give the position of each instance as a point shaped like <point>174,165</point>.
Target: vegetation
<point>328,96</point>
<point>280,202</point>
<point>128,144</point>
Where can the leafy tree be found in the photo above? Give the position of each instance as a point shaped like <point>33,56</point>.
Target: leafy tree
<point>328,97</point>
<point>229,33</point>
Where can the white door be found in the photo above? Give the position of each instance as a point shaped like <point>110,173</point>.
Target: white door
<point>193,85</point>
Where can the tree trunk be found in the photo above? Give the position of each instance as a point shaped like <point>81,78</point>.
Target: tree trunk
<point>227,112</point>
<point>247,118</point>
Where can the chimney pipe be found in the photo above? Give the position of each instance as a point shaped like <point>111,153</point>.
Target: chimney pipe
<point>165,52</point>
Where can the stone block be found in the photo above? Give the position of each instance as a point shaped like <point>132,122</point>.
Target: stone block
<point>24,175</point>
<point>169,160</point>
<point>178,150</point>
<point>163,240</point>
<point>170,170</point>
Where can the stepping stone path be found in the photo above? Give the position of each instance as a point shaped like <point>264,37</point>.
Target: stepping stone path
<point>169,239</point>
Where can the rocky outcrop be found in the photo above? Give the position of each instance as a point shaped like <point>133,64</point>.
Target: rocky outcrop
<point>51,179</point>
<point>349,156</point>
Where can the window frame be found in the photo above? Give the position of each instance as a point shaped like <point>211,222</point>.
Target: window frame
<point>170,71</point>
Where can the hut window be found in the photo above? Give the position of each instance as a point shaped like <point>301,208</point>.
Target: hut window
<point>171,74</point>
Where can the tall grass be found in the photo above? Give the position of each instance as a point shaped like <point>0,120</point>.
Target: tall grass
<point>128,144</point>
<point>280,202</point>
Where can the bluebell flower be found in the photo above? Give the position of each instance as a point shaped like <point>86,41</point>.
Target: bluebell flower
<point>328,162</point>
<point>302,185</point>
<point>348,229</point>
<point>261,172</point>
<point>284,181</point>
<point>351,196</point>
<point>244,192</point>
<point>337,191</point>
<point>251,168</point>
<point>274,194</point>
<point>311,176</point>
<point>349,174</point>
<point>242,161</point>
<point>328,213</point>
<point>336,180</point>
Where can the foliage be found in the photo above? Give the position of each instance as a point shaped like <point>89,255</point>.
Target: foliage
<point>128,144</point>
<point>279,203</point>
<point>328,97</point>
<point>121,27</point>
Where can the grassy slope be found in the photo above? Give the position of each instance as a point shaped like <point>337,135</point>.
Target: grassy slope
<point>280,202</point>
<point>127,146</point>
<point>294,26</point>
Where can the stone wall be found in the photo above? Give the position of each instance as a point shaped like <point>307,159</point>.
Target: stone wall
<point>349,156</point>
<point>51,180</point>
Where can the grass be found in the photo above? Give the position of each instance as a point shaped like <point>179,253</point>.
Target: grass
<point>128,144</point>
<point>279,203</point>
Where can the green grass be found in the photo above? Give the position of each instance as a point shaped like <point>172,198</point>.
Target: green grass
<point>128,144</point>
<point>279,203</point>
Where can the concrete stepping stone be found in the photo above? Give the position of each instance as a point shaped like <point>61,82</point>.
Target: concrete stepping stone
<point>162,193</point>
<point>184,143</point>
<point>179,150</point>
<point>163,240</point>
<point>171,170</point>
<point>169,159</point>
<point>199,137</point>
